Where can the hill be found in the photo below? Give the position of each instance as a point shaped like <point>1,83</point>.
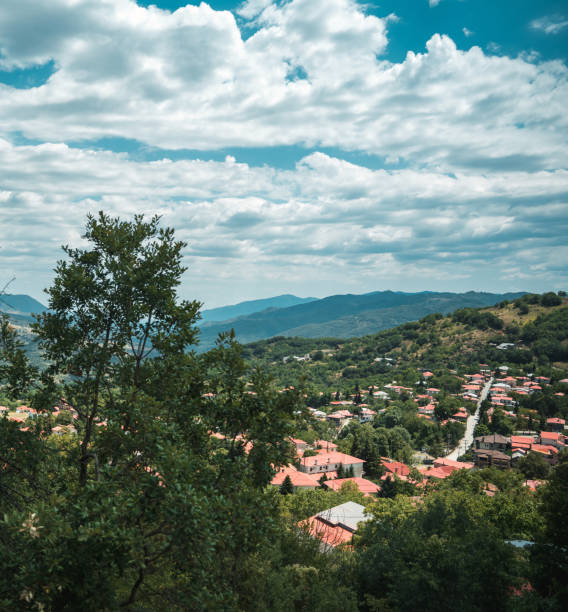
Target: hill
<point>225,313</point>
<point>345,315</point>
<point>534,328</point>
<point>22,305</point>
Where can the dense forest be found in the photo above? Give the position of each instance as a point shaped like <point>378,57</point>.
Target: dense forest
<point>157,495</point>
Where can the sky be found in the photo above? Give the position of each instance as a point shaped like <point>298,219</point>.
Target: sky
<point>311,147</point>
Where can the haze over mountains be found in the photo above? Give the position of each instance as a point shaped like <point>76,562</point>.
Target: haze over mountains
<point>339,316</point>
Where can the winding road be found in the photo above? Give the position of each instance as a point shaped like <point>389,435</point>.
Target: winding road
<point>472,421</point>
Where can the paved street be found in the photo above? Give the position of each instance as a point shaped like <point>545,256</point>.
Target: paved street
<point>472,421</point>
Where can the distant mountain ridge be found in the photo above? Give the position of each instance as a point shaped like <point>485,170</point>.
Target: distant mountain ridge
<point>20,304</point>
<point>347,315</point>
<point>225,313</point>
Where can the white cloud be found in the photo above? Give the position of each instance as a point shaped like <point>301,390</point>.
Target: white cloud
<point>467,33</point>
<point>265,229</point>
<point>189,80</point>
<point>552,24</point>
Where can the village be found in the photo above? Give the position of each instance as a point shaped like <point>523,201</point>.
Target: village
<point>321,465</point>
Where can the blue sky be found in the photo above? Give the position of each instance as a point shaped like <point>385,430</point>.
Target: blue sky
<point>299,146</point>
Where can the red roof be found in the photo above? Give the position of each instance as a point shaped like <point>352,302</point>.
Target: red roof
<point>332,535</point>
<point>323,458</point>
<point>395,467</point>
<point>458,465</point>
<point>299,479</point>
<point>364,485</point>
<point>437,472</point>
<point>551,435</point>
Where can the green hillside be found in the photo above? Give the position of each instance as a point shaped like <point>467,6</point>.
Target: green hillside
<point>536,325</point>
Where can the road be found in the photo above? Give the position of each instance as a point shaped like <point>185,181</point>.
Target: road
<point>472,421</point>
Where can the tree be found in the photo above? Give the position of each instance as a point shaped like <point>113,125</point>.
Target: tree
<point>286,487</point>
<point>388,488</point>
<point>444,554</point>
<point>534,465</point>
<point>143,506</point>
<point>113,322</point>
<point>16,372</point>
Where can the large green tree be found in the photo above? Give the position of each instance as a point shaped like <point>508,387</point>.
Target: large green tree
<point>160,498</point>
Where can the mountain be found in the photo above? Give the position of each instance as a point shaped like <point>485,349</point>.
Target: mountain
<point>225,313</point>
<point>346,315</point>
<point>18,306</point>
<point>529,334</point>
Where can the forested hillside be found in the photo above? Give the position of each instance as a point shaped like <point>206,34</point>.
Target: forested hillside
<point>536,327</point>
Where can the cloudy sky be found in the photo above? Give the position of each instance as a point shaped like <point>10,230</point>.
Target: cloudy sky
<point>303,146</point>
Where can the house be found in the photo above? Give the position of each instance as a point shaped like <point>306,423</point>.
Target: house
<point>524,442</point>
<point>330,461</point>
<point>365,486</point>
<point>432,391</point>
<point>458,465</point>
<point>553,438</point>
<point>555,424</point>
<point>492,442</point>
<point>324,445</point>
<point>491,458</point>
<point>366,415</point>
<point>299,479</point>
<point>395,468</point>
<point>337,525</point>
<point>300,445</point>
<point>439,473</point>
<point>550,453</point>
<point>461,415</point>
<point>339,417</point>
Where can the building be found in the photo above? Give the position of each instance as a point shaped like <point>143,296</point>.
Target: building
<point>337,525</point>
<point>365,486</point>
<point>491,458</point>
<point>330,461</point>
<point>299,479</point>
<point>492,442</point>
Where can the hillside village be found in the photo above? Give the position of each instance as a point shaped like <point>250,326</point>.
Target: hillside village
<point>485,396</point>
<point>476,413</point>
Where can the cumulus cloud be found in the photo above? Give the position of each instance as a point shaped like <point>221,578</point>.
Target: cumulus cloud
<point>467,33</point>
<point>552,24</point>
<point>311,74</point>
<point>268,228</point>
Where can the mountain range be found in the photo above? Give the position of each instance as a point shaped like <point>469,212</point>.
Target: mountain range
<point>344,316</point>
<point>339,316</point>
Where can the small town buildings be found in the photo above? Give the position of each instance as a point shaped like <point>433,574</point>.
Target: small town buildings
<point>324,445</point>
<point>492,442</point>
<point>339,417</point>
<point>555,424</point>
<point>553,438</point>
<point>329,462</point>
<point>366,415</point>
<point>300,445</point>
<point>365,486</point>
<point>395,468</point>
<point>299,479</point>
<point>491,458</point>
<point>336,526</point>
